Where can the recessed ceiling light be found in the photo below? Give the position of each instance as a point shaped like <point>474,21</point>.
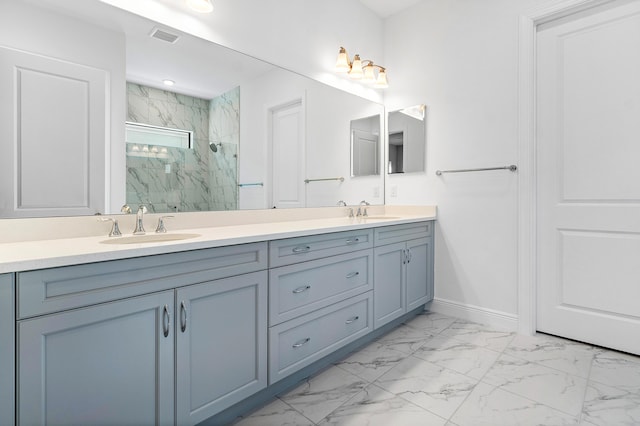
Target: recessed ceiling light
<point>202,6</point>
<point>168,82</point>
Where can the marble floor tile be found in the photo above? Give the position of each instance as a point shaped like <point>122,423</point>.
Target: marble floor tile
<point>377,407</point>
<point>491,406</point>
<point>605,406</point>
<point>372,361</point>
<point>428,385</point>
<point>277,413</point>
<point>406,339</point>
<point>465,358</point>
<point>478,335</point>
<point>321,394</point>
<point>561,354</point>
<point>430,322</point>
<point>545,385</point>
<point>616,369</point>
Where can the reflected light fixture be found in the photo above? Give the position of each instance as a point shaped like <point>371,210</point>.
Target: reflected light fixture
<point>202,6</point>
<point>364,70</point>
<point>168,82</point>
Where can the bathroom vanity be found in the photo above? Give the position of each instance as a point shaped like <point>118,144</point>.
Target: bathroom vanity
<point>177,332</point>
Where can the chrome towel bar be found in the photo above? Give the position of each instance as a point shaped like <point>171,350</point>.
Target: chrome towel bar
<point>341,179</point>
<point>241,185</point>
<point>512,168</point>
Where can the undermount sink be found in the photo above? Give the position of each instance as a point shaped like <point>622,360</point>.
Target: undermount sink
<point>149,238</point>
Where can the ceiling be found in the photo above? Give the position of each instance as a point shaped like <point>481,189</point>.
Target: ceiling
<point>386,8</point>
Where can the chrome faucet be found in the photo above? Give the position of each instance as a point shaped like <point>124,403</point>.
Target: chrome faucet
<point>142,209</point>
<point>341,203</point>
<point>160,229</point>
<point>363,212</point>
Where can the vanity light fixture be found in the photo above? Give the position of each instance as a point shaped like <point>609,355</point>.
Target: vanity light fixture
<point>168,82</point>
<point>202,6</point>
<point>359,69</point>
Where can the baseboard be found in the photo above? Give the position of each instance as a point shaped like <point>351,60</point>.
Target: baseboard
<point>490,317</point>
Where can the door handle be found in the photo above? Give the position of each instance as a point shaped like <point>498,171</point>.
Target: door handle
<point>166,321</point>
<point>183,316</point>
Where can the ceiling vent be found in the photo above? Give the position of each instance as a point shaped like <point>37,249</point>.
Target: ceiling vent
<point>164,35</point>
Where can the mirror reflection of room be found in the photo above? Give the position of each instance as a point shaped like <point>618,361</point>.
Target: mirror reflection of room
<point>407,140</point>
<point>365,137</point>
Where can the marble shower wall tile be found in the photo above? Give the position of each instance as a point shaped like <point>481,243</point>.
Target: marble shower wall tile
<point>204,180</point>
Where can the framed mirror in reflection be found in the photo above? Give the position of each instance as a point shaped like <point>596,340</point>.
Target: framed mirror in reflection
<point>407,140</point>
<point>259,136</point>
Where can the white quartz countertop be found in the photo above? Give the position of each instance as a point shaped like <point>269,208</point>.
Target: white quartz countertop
<point>47,253</point>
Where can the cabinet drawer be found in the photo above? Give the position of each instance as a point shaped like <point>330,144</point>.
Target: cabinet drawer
<point>398,233</point>
<point>300,342</point>
<point>298,289</point>
<point>57,289</point>
<point>301,249</point>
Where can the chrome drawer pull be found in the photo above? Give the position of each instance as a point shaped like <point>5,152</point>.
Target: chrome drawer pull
<point>301,289</point>
<point>353,274</point>
<point>353,240</point>
<point>301,343</point>
<point>352,319</point>
<point>301,249</point>
<point>166,321</point>
<point>183,316</point>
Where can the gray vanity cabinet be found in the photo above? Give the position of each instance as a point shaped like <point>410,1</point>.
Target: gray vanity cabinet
<point>403,270</point>
<point>221,345</point>
<point>7,349</point>
<point>107,364</point>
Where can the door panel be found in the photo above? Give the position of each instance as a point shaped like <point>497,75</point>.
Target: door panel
<point>588,206</point>
<point>388,283</point>
<point>112,361</point>
<point>287,140</point>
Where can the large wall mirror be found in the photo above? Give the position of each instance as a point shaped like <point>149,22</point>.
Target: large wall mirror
<point>233,132</point>
<point>407,140</point>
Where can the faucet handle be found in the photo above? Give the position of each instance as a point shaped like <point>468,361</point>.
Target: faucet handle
<point>160,228</point>
<point>143,208</point>
<point>115,229</point>
<point>125,209</point>
<point>341,203</point>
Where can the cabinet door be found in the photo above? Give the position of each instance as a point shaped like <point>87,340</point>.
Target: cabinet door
<point>110,364</point>
<point>418,273</point>
<point>389,276</point>
<point>221,344</point>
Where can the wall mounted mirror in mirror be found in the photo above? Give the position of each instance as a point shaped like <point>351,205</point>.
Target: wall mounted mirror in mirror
<point>407,140</point>
<point>253,135</point>
<point>365,146</point>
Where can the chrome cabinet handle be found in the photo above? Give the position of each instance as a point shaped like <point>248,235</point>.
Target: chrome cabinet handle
<point>352,319</point>
<point>183,316</point>
<point>301,249</point>
<point>409,255</point>
<point>404,256</point>
<point>301,289</point>
<point>353,274</point>
<point>353,241</point>
<point>166,320</point>
<point>301,343</point>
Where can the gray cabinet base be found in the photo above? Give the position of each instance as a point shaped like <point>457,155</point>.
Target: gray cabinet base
<point>259,399</point>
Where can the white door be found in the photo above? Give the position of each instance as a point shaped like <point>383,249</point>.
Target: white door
<point>288,155</point>
<point>53,117</point>
<point>588,172</point>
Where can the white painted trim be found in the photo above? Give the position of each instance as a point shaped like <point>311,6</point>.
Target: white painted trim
<point>490,317</point>
<point>527,220</point>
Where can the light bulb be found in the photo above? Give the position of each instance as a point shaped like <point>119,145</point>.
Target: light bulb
<point>202,6</point>
<point>342,64</point>
<point>356,68</point>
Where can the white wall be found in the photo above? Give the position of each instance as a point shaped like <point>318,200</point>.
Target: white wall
<point>460,58</point>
